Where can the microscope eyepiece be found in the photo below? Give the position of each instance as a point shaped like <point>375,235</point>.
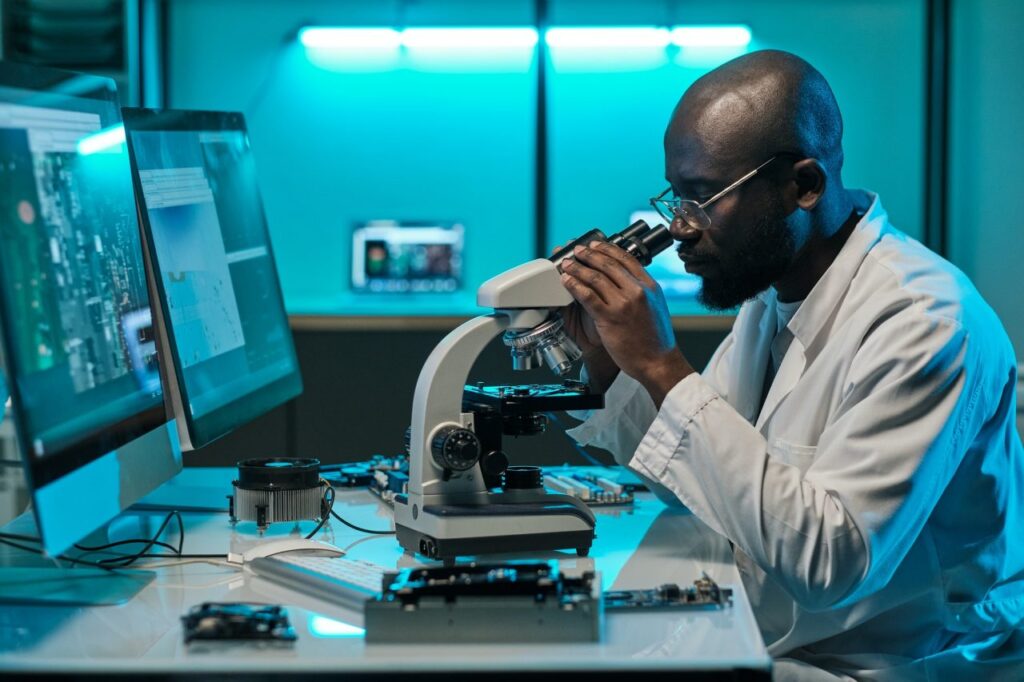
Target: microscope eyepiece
<point>548,343</point>
<point>642,241</point>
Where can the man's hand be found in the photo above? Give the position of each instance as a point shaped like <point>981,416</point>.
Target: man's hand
<point>629,313</point>
<point>601,369</point>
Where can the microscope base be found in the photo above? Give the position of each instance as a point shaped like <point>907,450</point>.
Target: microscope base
<point>445,532</point>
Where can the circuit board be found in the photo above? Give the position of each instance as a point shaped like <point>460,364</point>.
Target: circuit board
<point>362,474</point>
<point>705,593</point>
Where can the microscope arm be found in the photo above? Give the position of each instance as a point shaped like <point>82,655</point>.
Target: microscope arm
<point>437,402</point>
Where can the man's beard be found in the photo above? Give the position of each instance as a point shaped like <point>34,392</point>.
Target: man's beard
<point>759,263</point>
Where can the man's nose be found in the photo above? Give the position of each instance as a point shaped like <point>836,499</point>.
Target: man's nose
<point>683,232</point>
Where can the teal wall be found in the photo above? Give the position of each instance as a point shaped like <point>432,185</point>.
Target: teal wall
<point>419,138</point>
<point>986,198</point>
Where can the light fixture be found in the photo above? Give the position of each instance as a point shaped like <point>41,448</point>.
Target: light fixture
<point>330,37</point>
<point>607,37</point>
<point>105,140</point>
<point>473,38</point>
<point>711,36</point>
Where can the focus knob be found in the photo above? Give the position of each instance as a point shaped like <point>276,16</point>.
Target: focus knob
<point>455,448</point>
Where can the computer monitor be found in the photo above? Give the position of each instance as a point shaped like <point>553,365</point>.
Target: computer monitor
<point>407,257</point>
<point>220,312</point>
<point>74,308</point>
<point>666,268</point>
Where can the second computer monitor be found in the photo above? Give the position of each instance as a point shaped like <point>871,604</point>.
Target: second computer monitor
<point>222,315</point>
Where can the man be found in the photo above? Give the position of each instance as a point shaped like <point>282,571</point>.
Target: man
<point>853,437</point>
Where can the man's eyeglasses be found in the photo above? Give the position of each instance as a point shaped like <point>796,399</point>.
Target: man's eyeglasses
<point>692,212</point>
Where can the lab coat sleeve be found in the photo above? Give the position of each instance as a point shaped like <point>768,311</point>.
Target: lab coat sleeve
<point>834,534</point>
<point>620,426</point>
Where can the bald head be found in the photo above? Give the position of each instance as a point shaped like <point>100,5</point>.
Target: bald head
<point>755,106</point>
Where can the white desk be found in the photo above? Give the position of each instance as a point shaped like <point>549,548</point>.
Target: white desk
<point>635,548</point>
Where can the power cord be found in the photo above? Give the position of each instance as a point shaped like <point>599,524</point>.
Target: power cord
<point>120,561</point>
<point>331,512</point>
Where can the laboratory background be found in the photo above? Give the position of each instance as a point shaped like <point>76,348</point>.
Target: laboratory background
<point>497,131</point>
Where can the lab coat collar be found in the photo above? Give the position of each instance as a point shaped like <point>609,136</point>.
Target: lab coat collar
<point>816,310</point>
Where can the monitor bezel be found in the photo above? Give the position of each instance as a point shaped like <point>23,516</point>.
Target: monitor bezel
<point>54,465</point>
<point>196,432</point>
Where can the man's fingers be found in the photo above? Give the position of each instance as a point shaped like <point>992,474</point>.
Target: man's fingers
<point>593,279</point>
<point>631,264</point>
<point>589,299</point>
<point>613,268</point>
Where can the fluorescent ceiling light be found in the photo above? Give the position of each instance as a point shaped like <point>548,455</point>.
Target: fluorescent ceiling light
<point>496,38</point>
<point>600,37</point>
<point>711,36</point>
<point>347,38</point>
<point>607,37</point>
<point>104,140</point>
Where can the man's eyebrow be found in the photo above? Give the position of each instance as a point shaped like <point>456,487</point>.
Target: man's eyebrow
<point>694,182</point>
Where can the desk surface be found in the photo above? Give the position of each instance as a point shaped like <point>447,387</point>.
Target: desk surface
<point>635,548</point>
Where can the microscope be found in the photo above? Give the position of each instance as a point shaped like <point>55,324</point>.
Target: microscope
<point>463,498</point>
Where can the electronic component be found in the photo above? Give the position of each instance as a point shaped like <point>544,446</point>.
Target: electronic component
<point>507,602</point>
<point>705,593</point>
<point>278,489</point>
<point>595,491</point>
<point>387,484</point>
<point>217,622</point>
<point>596,486</point>
<point>361,474</point>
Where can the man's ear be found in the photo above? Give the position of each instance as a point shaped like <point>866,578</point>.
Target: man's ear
<point>810,178</point>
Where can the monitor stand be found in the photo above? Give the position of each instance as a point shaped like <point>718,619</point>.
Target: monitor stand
<point>34,580</point>
<point>82,586</point>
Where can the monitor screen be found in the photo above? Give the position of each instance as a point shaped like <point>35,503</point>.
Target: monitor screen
<point>219,297</point>
<point>74,306</point>
<point>666,268</point>
<point>407,257</point>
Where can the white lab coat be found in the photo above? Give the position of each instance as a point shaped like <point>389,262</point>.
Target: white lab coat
<point>876,501</point>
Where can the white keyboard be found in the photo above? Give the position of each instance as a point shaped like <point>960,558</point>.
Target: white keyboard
<point>337,580</point>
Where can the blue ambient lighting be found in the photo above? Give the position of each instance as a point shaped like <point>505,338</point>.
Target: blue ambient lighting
<point>322,626</point>
<point>472,38</point>
<point>349,38</point>
<point>573,48</point>
<point>607,37</point>
<point>711,36</point>
<point>498,38</point>
<point>107,140</point>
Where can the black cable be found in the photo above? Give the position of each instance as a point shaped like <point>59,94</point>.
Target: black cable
<point>182,556</point>
<point>129,559</point>
<point>123,560</point>
<point>15,536</point>
<point>36,550</point>
<point>359,528</point>
<point>350,525</point>
<point>101,548</point>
